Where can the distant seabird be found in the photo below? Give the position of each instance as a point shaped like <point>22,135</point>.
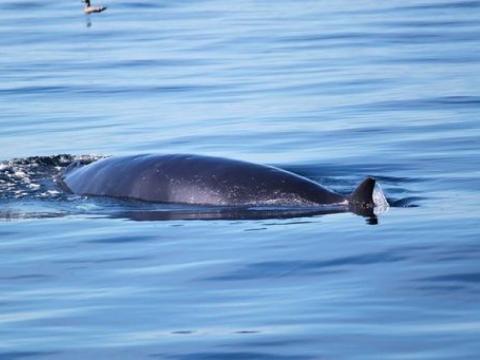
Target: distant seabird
<point>89,9</point>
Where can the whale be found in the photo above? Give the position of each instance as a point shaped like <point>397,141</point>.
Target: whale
<point>207,180</point>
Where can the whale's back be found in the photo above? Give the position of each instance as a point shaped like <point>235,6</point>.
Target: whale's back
<point>194,179</point>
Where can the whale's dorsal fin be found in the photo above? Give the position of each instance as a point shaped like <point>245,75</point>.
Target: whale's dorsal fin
<point>363,194</point>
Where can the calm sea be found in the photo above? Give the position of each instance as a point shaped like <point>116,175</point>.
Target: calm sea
<point>333,90</point>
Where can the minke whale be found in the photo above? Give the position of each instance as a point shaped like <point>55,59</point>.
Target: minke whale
<point>207,180</point>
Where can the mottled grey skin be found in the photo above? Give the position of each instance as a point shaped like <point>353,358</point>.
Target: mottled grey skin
<point>201,180</point>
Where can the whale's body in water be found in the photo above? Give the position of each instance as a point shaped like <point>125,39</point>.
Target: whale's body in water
<point>205,180</point>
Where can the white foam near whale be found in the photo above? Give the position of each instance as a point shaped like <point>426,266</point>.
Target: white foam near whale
<point>380,202</point>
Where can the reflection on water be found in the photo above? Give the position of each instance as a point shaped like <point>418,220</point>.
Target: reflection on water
<point>185,213</point>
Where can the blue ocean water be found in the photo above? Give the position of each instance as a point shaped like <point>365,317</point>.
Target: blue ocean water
<point>334,91</point>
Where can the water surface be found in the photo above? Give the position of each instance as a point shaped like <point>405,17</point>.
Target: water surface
<point>334,92</point>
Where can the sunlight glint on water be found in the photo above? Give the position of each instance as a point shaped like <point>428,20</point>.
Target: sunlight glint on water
<point>335,93</point>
